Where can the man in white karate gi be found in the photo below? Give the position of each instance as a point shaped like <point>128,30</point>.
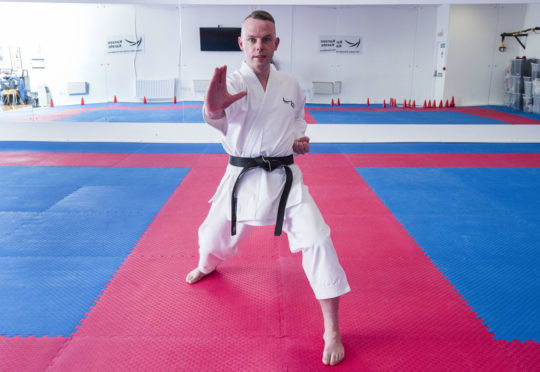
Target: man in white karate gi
<point>260,112</point>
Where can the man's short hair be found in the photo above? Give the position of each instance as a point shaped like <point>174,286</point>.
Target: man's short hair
<point>261,15</point>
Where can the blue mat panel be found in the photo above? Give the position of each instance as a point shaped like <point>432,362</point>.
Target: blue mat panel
<point>397,117</point>
<point>78,226</point>
<point>216,148</point>
<point>187,115</point>
<point>480,228</point>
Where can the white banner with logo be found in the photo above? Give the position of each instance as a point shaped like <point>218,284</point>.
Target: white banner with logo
<point>340,44</point>
<point>125,44</point>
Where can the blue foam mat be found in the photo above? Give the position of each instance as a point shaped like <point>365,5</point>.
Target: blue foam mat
<point>480,227</point>
<point>56,259</point>
<point>216,148</point>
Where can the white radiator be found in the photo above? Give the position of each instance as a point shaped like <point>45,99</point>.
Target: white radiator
<point>322,87</point>
<point>200,85</point>
<point>77,87</point>
<point>155,88</point>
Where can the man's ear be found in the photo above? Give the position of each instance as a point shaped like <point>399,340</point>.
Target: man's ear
<point>277,43</point>
<point>240,43</point>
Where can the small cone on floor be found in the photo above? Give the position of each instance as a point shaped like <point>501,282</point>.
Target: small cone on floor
<point>52,104</point>
<point>452,104</point>
<point>338,102</point>
<point>144,100</point>
<point>367,102</point>
<point>115,100</point>
<point>404,103</point>
<point>414,104</point>
<point>332,102</point>
<point>425,103</point>
<point>440,104</point>
<point>409,104</point>
<point>429,104</point>
<point>175,100</point>
<point>82,101</point>
<point>446,104</point>
<point>384,104</point>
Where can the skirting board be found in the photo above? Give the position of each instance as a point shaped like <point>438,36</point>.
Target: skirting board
<point>321,133</point>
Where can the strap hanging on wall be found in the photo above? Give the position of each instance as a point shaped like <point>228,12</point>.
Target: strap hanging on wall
<point>516,35</point>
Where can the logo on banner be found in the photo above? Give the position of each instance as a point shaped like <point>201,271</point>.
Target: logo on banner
<point>124,44</point>
<point>340,44</point>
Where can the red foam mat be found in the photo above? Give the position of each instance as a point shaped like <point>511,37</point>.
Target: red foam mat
<point>258,313</point>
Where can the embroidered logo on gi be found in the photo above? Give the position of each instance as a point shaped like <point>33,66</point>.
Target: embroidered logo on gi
<point>288,102</point>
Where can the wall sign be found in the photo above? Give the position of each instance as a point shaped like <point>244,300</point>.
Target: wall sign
<point>125,44</point>
<point>340,44</point>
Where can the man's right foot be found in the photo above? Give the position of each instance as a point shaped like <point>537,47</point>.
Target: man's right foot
<point>194,276</point>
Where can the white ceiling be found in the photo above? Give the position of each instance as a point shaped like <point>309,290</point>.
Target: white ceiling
<point>279,2</point>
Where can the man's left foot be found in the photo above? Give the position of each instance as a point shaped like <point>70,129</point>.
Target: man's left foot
<point>334,352</point>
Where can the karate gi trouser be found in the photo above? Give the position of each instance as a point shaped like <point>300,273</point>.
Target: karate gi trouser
<point>306,230</point>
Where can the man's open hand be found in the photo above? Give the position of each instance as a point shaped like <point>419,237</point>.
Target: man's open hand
<point>217,97</point>
<point>301,145</point>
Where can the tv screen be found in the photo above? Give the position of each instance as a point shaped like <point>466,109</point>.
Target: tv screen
<point>220,39</point>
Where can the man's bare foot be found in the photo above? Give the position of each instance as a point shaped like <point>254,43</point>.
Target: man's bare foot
<point>334,352</point>
<point>194,276</point>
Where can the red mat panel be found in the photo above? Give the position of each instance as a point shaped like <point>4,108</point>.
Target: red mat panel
<point>29,353</point>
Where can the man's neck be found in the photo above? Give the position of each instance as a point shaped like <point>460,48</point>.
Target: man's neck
<point>263,77</point>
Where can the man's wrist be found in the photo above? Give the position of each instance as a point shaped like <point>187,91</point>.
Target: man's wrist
<point>215,114</point>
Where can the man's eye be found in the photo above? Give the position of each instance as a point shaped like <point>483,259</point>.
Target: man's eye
<point>267,39</point>
<point>251,39</point>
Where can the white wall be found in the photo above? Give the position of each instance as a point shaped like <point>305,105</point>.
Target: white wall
<point>399,47</point>
<point>72,39</point>
<point>475,67</point>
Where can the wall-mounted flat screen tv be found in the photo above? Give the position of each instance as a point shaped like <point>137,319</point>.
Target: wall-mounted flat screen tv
<point>220,39</point>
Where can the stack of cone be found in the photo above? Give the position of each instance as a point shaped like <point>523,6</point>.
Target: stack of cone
<point>144,100</point>
<point>115,100</point>
<point>82,101</point>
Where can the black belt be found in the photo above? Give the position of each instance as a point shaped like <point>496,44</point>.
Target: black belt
<point>268,164</point>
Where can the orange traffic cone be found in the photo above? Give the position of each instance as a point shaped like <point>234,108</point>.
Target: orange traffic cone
<point>144,100</point>
<point>115,100</point>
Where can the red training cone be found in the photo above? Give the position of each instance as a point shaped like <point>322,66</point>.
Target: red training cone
<point>425,103</point>
<point>175,100</point>
<point>429,104</point>
<point>115,100</point>
<point>368,101</point>
<point>52,105</point>
<point>332,102</point>
<point>82,101</point>
<point>440,104</point>
<point>384,104</point>
<point>144,100</point>
<point>404,103</point>
<point>414,104</point>
<point>446,104</point>
<point>452,104</point>
<point>338,102</point>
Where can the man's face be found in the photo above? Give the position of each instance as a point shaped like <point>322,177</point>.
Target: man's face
<point>258,41</point>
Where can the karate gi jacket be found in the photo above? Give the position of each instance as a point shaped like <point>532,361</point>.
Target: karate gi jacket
<point>261,123</point>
